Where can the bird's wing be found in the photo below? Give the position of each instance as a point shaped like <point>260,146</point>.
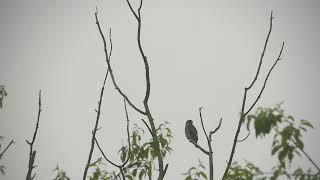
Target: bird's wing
<point>193,133</point>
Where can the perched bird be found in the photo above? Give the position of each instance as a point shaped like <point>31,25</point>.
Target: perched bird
<point>191,132</point>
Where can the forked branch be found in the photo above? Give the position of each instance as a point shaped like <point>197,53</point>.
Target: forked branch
<point>246,89</point>
<point>109,65</point>
<point>120,166</point>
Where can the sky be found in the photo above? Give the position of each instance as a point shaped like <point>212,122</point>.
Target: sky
<point>201,53</point>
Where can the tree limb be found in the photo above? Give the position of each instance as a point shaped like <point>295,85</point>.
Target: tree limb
<point>109,66</point>
<point>5,149</point>
<point>32,153</point>
<point>95,127</point>
<point>243,113</point>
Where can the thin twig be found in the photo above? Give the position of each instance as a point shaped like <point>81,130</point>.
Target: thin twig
<point>5,149</point>
<point>204,130</point>
<point>105,157</point>
<point>244,137</point>
<point>266,79</point>
<point>215,130</point>
<point>128,134</point>
<point>95,127</point>
<point>32,153</point>
<point>145,123</point>
<point>262,54</point>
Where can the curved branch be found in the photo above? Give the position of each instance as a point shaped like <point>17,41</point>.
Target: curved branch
<point>244,138</point>
<point>215,130</point>
<point>110,69</point>
<point>105,157</point>
<point>199,147</point>
<point>145,123</point>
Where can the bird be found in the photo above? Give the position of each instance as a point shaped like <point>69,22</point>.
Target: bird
<point>191,132</point>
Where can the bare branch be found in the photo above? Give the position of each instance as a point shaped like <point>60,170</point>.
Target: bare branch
<point>266,79</point>
<point>109,66</point>
<point>215,130</point>
<point>162,171</point>
<point>5,149</point>
<point>95,127</point>
<point>199,147</point>
<point>262,54</point>
<point>243,113</point>
<point>128,135</point>
<point>120,166</point>
<point>105,157</point>
<point>32,153</point>
<point>245,137</point>
<point>200,113</point>
<point>145,123</point>
<point>133,12</point>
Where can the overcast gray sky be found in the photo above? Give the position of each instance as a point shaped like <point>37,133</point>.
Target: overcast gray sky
<point>201,53</point>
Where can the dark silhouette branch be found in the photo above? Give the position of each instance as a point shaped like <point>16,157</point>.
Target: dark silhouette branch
<point>95,127</point>
<point>215,130</point>
<point>265,80</point>
<point>5,149</point>
<point>204,130</point>
<point>309,158</point>
<point>145,123</point>
<point>199,147</point>
<point>120,166</point>
<point>209,141</point>
<point>243,113</point>
<point>145,112</point>
<point>109,66</point>
<point>241,140</point>
<point>137,15</point>
<point>32,153</point>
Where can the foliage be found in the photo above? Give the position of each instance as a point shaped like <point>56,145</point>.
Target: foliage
<point>100,174</point>
<point>247,172</point>
<point>287,142</point>
<point>61,174</point>
<point>3,93</point>
<point>196,173</point>
<point>142,155</point>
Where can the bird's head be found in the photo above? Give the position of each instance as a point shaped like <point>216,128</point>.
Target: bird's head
<point>189,122</point>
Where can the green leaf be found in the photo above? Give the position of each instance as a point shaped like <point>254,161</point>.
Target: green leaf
<point>141,174</point>
<point>306,123</point>
<point>203,175</point>
<point>275,149</point>
<point>129,177</point>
